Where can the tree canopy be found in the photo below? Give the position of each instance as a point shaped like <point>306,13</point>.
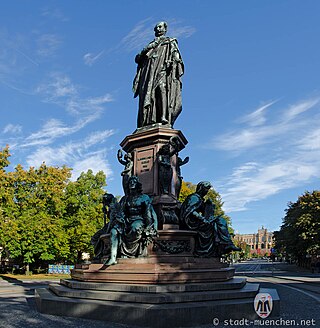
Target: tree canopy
<point>46,217</point>
<point>300,232</point>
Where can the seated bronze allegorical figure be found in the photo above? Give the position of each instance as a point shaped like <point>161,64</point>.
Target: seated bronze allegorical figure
<point>133,224</point>
<point>100,250</point>
<point>197,214</point>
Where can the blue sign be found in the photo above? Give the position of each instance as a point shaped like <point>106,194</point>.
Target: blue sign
<point>60,269</point>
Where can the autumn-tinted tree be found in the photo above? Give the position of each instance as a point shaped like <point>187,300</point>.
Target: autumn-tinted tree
<point>32,229</point>
<point>46,217</point>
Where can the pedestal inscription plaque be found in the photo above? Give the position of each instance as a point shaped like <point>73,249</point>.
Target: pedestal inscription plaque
<point>144,159</point>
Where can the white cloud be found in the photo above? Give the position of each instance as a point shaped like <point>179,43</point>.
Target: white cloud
<point>94,161</point>
<point>12,129</point>
<point>90,58</point>
<point>54,129</point>
<point>80,156</point>
<point>48,44</point>
<point>310,140</point>
<point>54,13</point>
<point>287,149</point>
<point>137,38</point>
<point>62,91</point>
<point>98,137</point>
<point>299,108</point>
<point>15,58</point>
<point>258,116</point>
<point>142,33</point>
<point>177,30</point>
<point>289,124</point>
<point>60,86</point>
<point>251,183</point>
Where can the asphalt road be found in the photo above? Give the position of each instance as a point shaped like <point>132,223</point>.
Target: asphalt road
<point>299,292</point>
<point>299,289</point>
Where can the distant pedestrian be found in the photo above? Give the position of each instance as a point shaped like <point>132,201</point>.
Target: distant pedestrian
<point>313,265</point>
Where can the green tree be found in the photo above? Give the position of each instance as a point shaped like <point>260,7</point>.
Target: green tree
<point>46,217</point>
<point>31,212</point>
<point>6,195</point>
<point>83,216</point>
<point>4,158</point>
<point>32,224</point>
<point>300,233</point>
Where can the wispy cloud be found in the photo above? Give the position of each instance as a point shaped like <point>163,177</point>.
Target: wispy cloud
<point>48,44</point>
<point>81,155</point>
<point>23,54</point>
<point>309,140</point>
<point>54,13</point>
<point>62,91</point>
<point>54,129</point>
<point>90,59</point>
<point>18,61</point>
<point>141,34</point>
<point>96,162</point>
<point>257,181</point>
<point>177,29</point>
<point>15,56</point>
<point>58,86</point>
<point>258,117</point>
<point>12,129</point>
<point>295,110</point>
<point>288,148</point>
<point>254,135</point>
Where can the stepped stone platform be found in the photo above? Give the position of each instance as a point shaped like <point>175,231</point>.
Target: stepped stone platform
<point>168,288</point>
<point>171,305</point>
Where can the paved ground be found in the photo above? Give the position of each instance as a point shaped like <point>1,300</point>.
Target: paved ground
<point>17,309</point>
<point>299,291</point>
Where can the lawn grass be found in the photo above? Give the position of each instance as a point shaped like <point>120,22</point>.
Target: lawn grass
<point>34,276</point>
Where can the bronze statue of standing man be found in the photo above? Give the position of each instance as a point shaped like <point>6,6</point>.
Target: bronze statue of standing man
<point>158,80</point>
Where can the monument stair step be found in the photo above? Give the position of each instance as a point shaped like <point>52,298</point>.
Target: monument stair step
<point>249,290</point>
<point>234,283</point>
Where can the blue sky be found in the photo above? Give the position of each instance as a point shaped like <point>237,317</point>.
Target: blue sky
<point>251,92</point>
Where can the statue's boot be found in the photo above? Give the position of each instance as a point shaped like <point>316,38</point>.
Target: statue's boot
<point>112,261</point>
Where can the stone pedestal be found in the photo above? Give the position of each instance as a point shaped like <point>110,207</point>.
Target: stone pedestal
<point>157,306</point>
<point>144,144</point>
<point>170,261</point>
<point>169,288</point>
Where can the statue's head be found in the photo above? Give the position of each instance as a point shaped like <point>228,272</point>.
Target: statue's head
<point>134,183</point>
<point>165,149</point>
<point>203,187</point>
<point>107,199</point>
<point>128,156</point>
<point>160,29</point>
